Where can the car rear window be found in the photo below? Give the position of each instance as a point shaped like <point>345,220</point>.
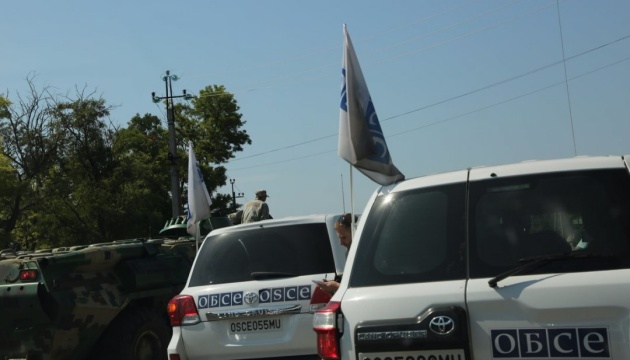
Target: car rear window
<point>263,253</point>
<point>412,236</point>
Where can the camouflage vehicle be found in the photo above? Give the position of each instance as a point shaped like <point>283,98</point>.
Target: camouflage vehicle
<point>100,301</point>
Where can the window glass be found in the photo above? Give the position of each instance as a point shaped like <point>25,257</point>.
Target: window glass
<point>413,236</point>
<point>524,217</point>
<point>281,251</point>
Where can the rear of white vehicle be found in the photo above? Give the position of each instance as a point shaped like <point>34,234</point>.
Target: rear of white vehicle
<point>523,261</point>
<point>251,293</point>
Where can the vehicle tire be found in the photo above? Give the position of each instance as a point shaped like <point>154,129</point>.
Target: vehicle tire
<point>136,334</point>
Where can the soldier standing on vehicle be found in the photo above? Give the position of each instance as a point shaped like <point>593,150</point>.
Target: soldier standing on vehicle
<point>256,209</point>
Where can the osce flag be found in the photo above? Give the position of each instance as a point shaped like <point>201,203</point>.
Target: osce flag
<point>198,197</point>
<point>361,140</point>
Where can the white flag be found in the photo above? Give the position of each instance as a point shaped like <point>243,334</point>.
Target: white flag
<point>198,197</point>
<point>361,140</point>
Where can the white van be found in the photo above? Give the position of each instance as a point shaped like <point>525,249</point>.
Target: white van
<point>251,291</point>
<point>521,261</point>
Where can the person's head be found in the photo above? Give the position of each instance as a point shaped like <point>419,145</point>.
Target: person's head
<point>343,227</point>
<point>261,195</point>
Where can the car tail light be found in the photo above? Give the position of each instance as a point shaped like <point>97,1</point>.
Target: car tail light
<point>182,311</point>
<point>319,299</point>
<point>28,275</point>
<point>174,357</point>
<point>325,325</point>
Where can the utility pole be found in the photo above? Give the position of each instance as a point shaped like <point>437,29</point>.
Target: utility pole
<point>172,150</point>
<point>234,196</point>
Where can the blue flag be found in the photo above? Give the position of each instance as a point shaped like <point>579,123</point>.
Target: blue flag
<point>361,140</point>
<point>198,198</point>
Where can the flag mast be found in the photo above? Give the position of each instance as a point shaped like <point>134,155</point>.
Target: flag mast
<point>361,140</point>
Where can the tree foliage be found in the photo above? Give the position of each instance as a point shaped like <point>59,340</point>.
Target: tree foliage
<point>68,176</point>
<point>214,125</point>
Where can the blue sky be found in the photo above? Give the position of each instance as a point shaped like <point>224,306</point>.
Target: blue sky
<point>455,83</point>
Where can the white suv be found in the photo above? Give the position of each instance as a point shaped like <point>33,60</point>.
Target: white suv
<point>521,261</point>
<point>251,292</point>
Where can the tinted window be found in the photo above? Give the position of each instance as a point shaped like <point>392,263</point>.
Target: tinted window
<point>412,236</point>
<point>523,217</point>
<point>270,251</point>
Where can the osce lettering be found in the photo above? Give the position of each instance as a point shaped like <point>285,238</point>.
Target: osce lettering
<point>554,343</point>
<point>289,293</point>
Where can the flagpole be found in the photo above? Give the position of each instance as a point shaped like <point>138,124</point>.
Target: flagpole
<point>343,196</point>
<point>351,202</point>
<point>197,237</point>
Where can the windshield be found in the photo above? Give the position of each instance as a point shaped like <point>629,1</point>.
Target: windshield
<point>413,236</point>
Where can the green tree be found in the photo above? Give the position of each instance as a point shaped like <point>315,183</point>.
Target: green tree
<point>74,178</point>
<point>141,150</point>
<point>30,146</point>
<point>79,185</point>
<point>214,125</point>
<point>9,185</point>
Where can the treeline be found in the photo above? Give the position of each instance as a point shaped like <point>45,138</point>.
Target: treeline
<point>69,176</point>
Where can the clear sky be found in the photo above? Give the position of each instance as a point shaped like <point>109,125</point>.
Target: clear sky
<point>455,83</point>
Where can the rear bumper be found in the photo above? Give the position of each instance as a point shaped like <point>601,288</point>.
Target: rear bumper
<point>176,345</point>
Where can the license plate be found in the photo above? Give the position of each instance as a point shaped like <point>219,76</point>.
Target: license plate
<point>255,325</point>
<point>454,354</point>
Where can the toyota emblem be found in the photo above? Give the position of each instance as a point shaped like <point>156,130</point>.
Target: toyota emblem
<point>251,298</point>
<point>442,325</point>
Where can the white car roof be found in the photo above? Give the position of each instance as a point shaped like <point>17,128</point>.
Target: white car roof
<point>513,169</point>
<point>289,220</point>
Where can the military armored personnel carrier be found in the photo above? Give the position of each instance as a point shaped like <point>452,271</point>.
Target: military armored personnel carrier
<point>100,301</point>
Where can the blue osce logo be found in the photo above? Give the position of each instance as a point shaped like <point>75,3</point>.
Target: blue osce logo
<point>219,300</point>
<point>280,294</point>
<point>551,343</point>
<point>289,293</point>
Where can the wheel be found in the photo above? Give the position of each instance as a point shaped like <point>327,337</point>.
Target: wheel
<point>136,334</point>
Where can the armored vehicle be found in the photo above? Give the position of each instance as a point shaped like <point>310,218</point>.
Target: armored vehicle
<point>99,301</point>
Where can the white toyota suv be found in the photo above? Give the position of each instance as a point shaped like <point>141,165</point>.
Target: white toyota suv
<point>520,261</point>
<point>251,292</point>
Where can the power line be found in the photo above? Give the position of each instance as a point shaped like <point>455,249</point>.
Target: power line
<point>486,87</point>
<point>256,86</point>
<point>564,63</point>
<point>507,100</point>
<point>443,120</point>
<point>335,48</point>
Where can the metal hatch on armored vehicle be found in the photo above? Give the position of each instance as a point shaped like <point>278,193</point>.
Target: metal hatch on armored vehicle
<point>102,301</point>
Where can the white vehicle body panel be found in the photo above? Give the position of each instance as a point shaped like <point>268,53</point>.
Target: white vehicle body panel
<point>401,302</point>
<point>258,318</point>
<point>220,342</point>
<point>550,301</point>
<point>589,309</point>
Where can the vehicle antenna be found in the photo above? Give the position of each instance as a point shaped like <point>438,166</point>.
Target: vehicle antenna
<point>343,197</point>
